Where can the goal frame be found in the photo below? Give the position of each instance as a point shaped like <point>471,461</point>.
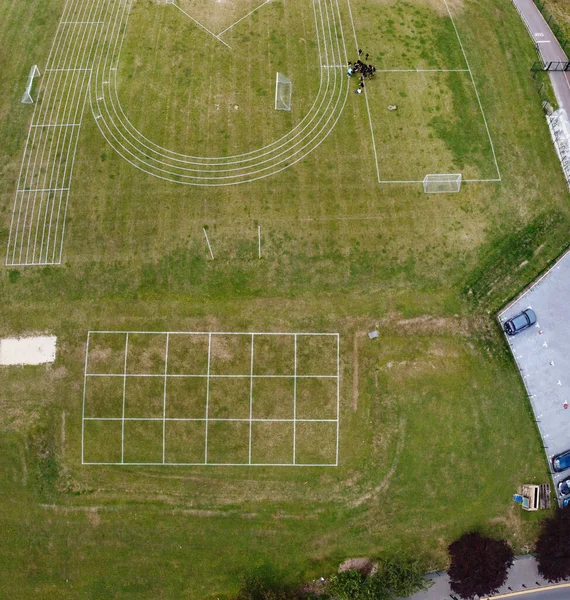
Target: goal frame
<point>442,183</point>
<point>27,97</point>
<point>280,103</point>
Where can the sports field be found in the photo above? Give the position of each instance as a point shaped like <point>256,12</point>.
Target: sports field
<point>211,267</point>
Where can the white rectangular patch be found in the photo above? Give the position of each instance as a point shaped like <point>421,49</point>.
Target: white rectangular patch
<point>28,350</point>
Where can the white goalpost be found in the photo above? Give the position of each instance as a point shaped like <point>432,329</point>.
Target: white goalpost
<point>442,183</point>
<point>283,92</point>
<point>27,97</point>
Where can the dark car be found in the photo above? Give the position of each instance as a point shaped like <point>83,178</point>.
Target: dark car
<point>561,461</point>
<point>564,487</point>
<point>520,322</point>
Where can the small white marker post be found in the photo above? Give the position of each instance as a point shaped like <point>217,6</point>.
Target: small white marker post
<point>208,242</point>
<point>259,241</point>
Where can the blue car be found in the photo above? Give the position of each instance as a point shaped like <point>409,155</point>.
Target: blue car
<point>561,461</point>
<point>520,322</point>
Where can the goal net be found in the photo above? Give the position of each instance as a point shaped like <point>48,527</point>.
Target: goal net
<point>442,183</point>
<point>27,97</point>
<point>283,91</point>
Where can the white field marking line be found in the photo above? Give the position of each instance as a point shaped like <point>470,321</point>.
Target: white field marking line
<point>71,55</point>
<point>212,375</point>
<point>194,464</point>
<point>200,25</point>
<point>138,166</point>
<point>165,152</point>
<point>421,181</point>
<point>82,22</point>
<point>83,50</point>
<point>422,70</point>
<point>333,66</point>
<point>83,403</point>
<point>164,402</point>
<point>259,241</point>
<point>201,419</point>
<point>207,418</point>
<point>57,125</point>
<point>475,88</point>
<point>46,105</point>
<point>70,178</point>
<point>167,178</point>
<point>56,148</point>
<point>207,399</point>
<point>244,17</point>
<point>79,103</point>
<point>293,333</point>
<point>295,402</point>
<point>42,190</point>
<point>275,170</point>
<point>82,111</point>
<point>208,242</point>
<point>75,51</point>
<point>124,400</point>
<point>279,142</point>
<point>73,69</point>
<point>366,98</point>
<point>27,144</point>
<point>372,135</point>
<point>251,395</point>
<point>337,395</point>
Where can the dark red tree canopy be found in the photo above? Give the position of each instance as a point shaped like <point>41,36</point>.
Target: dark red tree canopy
<point>553,547</point>
<point>479,565</point>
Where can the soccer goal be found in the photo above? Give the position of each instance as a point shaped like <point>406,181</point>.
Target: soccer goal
<point>283,92</point>
<point>27,97</point>
<point>442,183</point>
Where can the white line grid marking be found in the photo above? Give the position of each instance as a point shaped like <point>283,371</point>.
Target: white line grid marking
<point>331,350</point>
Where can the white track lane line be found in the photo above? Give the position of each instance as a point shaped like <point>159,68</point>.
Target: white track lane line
<point>328,120</point>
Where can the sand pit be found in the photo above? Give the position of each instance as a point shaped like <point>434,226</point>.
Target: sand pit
<point>27,350</point>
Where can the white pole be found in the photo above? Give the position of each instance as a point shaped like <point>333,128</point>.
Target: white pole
<point>259,241</point>
<point>208,242</point>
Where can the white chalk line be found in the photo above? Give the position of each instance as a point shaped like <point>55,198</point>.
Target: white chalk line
<point>41,149</point>
<point>251,419</point>
<point>200,25</point>
<point>132,157</point>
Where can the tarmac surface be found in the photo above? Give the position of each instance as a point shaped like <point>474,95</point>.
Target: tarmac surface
<point>542,353</point>
<point>523,577</point>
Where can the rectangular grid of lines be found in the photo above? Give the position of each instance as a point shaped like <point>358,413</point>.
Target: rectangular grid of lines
<point>211,398</point>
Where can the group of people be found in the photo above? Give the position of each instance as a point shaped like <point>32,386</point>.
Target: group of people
<point>365,70</point>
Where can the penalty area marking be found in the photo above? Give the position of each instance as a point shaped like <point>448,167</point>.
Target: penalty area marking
<point>467,70</point>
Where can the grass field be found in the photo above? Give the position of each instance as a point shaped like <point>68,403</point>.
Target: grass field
<point>435,430</point>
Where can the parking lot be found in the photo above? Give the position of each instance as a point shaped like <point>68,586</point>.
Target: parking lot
<point>542,353</point>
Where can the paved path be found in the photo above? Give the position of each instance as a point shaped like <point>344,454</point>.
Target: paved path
<point>523,576</point>
<point>548,46</point>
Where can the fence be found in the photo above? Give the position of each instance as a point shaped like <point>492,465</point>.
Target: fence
<point>552,23</point>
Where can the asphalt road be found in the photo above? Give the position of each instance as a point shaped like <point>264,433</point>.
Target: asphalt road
<point>548,46</point>
<point>556,593</point>
<point>542,353</point>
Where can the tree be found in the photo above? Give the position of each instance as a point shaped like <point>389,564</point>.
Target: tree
<point>553,547</point>
<point>479,565</point>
